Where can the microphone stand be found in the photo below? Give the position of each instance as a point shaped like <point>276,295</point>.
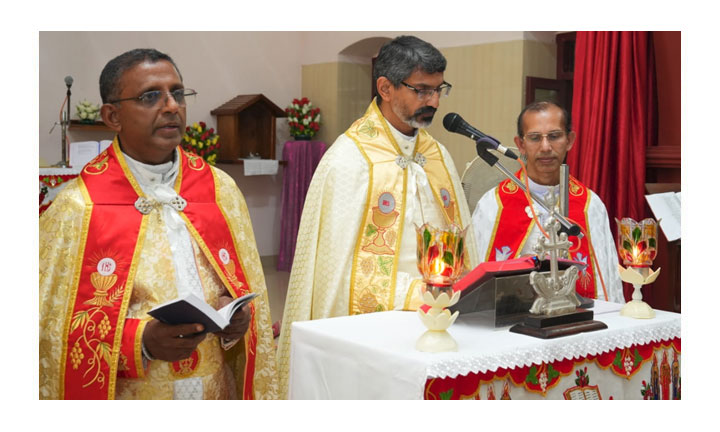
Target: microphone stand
<point>492,160</point>
<point>64,123</point>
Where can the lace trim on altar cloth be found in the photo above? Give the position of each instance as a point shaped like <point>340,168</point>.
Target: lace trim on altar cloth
<point>552,350</point>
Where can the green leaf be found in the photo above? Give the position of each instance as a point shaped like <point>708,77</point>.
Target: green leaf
<point>636,233</point>
<point>385,265</point>
<point>552,373</point>
<point>448,258</point>
<point>370,230</point>
<point>637,358</point>
<point>460,246</point>
<point>104,349</point>
<point>446,395</point>
<point>651,242</point>
<point>532,376</point>
<point>627,246</point>
<point>618,359</point>
<point>426,239</point>
<point>79,319</point>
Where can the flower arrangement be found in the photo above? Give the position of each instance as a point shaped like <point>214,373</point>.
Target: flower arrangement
<point>87,112</point>
<point>303,119</point>
<point>201,141</point>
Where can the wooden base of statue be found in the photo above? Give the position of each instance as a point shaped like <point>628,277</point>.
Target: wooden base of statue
<point>548,327</point>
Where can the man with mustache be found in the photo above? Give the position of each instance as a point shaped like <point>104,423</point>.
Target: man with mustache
<point>357,242</point>
<point>143,224</point>
<point>503,222</point>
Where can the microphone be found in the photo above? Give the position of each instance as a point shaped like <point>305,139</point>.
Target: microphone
<point>454,123</point>
<point>68,81</point>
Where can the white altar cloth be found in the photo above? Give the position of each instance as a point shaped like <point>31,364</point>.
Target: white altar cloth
<point>373,356</point>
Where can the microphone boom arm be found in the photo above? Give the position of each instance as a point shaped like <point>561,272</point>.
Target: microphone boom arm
<point>484,154</point>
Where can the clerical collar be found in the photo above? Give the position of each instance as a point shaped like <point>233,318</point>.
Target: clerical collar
<point>405,142</point>
<point>537,188</point>
<point>147,174</point>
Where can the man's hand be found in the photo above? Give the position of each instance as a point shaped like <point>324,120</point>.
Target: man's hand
<point>171,342</point>
<point>239,322</point>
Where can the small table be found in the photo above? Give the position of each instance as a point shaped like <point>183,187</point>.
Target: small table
<point>373,356</point>
<point>302,158</point>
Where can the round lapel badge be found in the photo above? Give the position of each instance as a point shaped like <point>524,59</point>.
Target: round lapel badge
<point>224,256</point>
<point>386,202</point>
<point>106,266</point>
<point>445,196</point>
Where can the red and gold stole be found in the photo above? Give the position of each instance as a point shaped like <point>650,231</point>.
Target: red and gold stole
<point>513,227</point>
<point>113,235</point>
<point>372,283</point>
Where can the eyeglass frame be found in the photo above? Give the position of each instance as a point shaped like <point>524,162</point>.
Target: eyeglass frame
<point>545,136</point>
<point>446,86</point>
<point>171,93</point>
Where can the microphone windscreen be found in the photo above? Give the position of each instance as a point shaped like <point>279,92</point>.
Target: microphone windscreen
<point>68,80</point>
<point>451,121</point>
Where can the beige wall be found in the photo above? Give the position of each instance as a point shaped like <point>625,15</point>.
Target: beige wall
<point>488,91</point>
<point>331,68</point>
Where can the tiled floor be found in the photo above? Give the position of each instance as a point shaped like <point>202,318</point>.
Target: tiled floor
<point>276,282</point>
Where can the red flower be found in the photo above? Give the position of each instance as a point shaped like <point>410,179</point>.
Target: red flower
<point>202,125</point>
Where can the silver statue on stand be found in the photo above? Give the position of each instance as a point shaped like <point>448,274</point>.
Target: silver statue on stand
<point>556,292</point>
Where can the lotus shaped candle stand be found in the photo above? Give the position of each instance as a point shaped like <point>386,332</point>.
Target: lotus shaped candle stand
<point>441,260</point>
<point>437,319</point>
<point>636,308</point>
<point>637,246</point>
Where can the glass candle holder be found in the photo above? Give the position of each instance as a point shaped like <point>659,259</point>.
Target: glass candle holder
<point>637,241</point>
<point>440,254</point>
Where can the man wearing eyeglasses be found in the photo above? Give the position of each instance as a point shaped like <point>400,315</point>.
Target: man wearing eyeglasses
<point>357,243</point>
<point>144,224</point>
<point>503,222</point>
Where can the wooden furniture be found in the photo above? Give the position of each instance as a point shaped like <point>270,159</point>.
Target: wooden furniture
<point>97,126</point>
<point>245,125</point>
<point>664,293</point>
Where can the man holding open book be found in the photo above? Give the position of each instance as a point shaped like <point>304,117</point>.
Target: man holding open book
<point>146,223</point>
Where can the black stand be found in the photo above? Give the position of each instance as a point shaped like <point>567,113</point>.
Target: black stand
<point>548,327</point>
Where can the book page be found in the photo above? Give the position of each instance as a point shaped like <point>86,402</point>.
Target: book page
<point>576,394</point>
<point>592,394</point>
<point>667,209</point>
<point>83,152</point>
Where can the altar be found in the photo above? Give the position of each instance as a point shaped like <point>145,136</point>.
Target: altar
<point>373,356</point>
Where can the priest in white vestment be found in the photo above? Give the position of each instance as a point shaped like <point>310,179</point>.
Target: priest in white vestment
<point>503,221</point>
<point>357,244</point>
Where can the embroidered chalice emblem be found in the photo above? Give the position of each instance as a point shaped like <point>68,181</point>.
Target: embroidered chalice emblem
<point>383,217</point>
<point>102,280</point>
<point>229,265</point>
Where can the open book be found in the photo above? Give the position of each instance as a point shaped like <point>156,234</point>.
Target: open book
<point>666,208</point>
<point>192,309</point>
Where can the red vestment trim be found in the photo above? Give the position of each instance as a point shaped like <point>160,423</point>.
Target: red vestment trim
<point>513,226</point>
<point>108,260</point>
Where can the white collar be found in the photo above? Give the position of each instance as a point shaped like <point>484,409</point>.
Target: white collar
<point>150,175</point>
<point>405,142</point>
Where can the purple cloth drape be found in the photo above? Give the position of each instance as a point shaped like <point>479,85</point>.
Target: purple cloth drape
<point>302,158</point>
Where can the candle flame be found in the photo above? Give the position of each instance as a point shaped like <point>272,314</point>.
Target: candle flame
<point>437,266</point>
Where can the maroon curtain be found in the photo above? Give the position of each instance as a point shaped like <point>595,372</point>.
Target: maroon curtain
<point>614,116</point>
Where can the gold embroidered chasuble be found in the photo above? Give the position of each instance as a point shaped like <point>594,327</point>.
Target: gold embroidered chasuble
<point>61,238</point>
<point>356,248</point>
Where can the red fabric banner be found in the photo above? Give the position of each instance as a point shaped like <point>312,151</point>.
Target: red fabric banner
<point>614,116</point>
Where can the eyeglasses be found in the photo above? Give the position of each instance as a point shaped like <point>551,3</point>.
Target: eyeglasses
<point>552,137</point>
<point>424,94</point>
<point>150,99</point>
